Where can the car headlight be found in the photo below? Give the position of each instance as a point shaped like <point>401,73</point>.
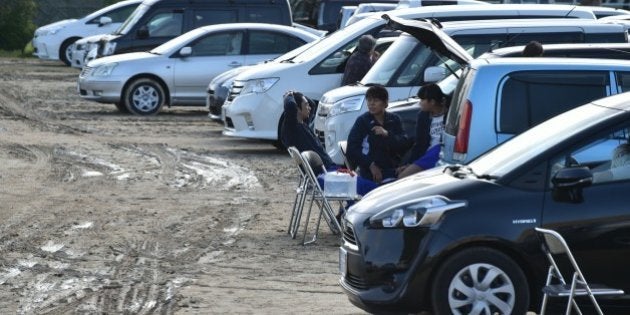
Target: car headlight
<point>109,48</point>
<point>258,85</point>
<point>424,211</point>
<point>345,105</point>
<point>104,70</point>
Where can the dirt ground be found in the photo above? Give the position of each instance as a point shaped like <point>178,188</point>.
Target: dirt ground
<point>107,213</point>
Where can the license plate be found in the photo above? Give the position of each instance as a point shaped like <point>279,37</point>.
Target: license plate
<point>343,262</point>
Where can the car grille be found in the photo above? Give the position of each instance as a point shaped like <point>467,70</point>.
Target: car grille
<point>86,71</point>
<point>235,90</point>
<point>356,282</point>
<point>320,136</point>
<point>348,234</point>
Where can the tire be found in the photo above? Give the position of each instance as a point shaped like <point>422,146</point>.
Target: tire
<point>144,97</point>
<point>278,143</point>
<point>65,50</point>
<point>459,287</point>
<point>121,107</point>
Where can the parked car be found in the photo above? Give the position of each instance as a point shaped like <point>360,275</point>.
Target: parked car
<point>178,72</point>
<point>461,240</point>
<point>323,14</point>
<point>254,107</point>
<point>54,41</point>
<point>402,70</point>
<point>156,21</point>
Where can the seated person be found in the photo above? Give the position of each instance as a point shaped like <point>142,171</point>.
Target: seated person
<point>376,138</point>
<point>429,128</point>
<point>297,133</point>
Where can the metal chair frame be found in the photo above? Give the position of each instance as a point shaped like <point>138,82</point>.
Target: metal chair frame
<point>301,190</point>
<point>554,244</point>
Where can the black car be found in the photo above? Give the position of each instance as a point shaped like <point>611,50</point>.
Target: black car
<point>460,239</point>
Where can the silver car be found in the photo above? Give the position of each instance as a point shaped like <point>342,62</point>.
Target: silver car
<point>179,71</point>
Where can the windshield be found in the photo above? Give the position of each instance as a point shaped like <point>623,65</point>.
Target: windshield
<point>132,19</point>
<point>293,53</point>
<point>178,42</point>
<point>339,38</point>
<point>399,65</point>
<point>518,150</point>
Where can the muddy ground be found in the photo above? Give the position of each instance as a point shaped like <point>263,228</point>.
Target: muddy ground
<point>107,213</point>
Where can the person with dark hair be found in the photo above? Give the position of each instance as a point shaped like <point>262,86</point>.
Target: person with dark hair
<point>295,130</point>
<point>360,61</point>
<point>425,152</point>
<point>377,138</point>
<point>533,49</point>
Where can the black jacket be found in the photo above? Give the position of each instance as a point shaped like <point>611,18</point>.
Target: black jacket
<point>298,134</point>
<point>384,151</point>
<point>359,63</point>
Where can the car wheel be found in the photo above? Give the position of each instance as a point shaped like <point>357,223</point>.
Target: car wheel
<point>278,143</point>
<point>144,96</point>
<point>121,107</point>
<point>65,50</point>
<point>480,281</point>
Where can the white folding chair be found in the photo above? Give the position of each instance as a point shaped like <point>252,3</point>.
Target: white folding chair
<point>301,190</point>
<point>553,245</point>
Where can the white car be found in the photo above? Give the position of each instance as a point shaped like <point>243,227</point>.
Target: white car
<point>254,107</point>
<point>54,41</point>
<point>179,71</point>
<point>80,49</point>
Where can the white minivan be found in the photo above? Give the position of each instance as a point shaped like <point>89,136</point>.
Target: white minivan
<point>254,107</point>
<point>54,41</point>
<point>402,69</point>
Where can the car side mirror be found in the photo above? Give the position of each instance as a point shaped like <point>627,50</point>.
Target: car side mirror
<point>104,20</point>
<point>185,51</point>
<point>573,177</point>
<point>434,74</point>
<point>142,32</point>
<point>568,183</point>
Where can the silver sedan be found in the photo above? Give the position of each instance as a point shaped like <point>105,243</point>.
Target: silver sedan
<point>179,71</point>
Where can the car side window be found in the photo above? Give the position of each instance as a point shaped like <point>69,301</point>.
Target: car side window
<point>607,157</point>
<point>519,39</point>
<point>166,24</point>
<point>221,44</point>
<point>118,15</point>
<point>528,98</point>
<point>336,62</point>
<point>214,16</point>
<point>261,43</point>
<point>623,81</point>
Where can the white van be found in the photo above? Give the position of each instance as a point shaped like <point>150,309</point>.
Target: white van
<point>402,69</point>
<point>53,41</point>
<point>254,106</point>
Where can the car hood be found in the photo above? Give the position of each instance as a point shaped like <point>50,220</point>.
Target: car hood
<point>227,75</point>
<point>90,39</point>
<point>343,92</point>
<point>136,56</point>
<point>265,70</point>
<point>402,191</point>
<point>432,36</point>
<point>56,25</point>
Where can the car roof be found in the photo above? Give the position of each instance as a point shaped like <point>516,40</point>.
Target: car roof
<point>507,51</point>
<point>523,9</point>
<point>258,26</point>
<point>617,101</point>
<point>551,63</point>
<point>529,22</point>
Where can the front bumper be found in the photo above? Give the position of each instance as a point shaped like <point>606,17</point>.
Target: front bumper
<point>253,116</point>
<point>381,273</point>
<point>78,57</point>
<point>44,51</point>
<point>102,90</point>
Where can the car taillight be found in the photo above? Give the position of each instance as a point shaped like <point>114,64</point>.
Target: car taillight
<point>463,132</point>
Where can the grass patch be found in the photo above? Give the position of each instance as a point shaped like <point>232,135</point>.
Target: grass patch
<point>27,52</point>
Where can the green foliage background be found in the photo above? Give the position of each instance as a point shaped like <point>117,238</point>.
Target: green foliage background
<point>16,23</point>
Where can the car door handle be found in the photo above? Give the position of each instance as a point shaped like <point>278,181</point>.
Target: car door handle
<point>235,64</point>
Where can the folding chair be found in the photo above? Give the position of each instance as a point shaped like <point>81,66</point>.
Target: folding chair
<point>301,190</point>
<point>554,244</point>
<point>343,145</point>
<point>314,166</point>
